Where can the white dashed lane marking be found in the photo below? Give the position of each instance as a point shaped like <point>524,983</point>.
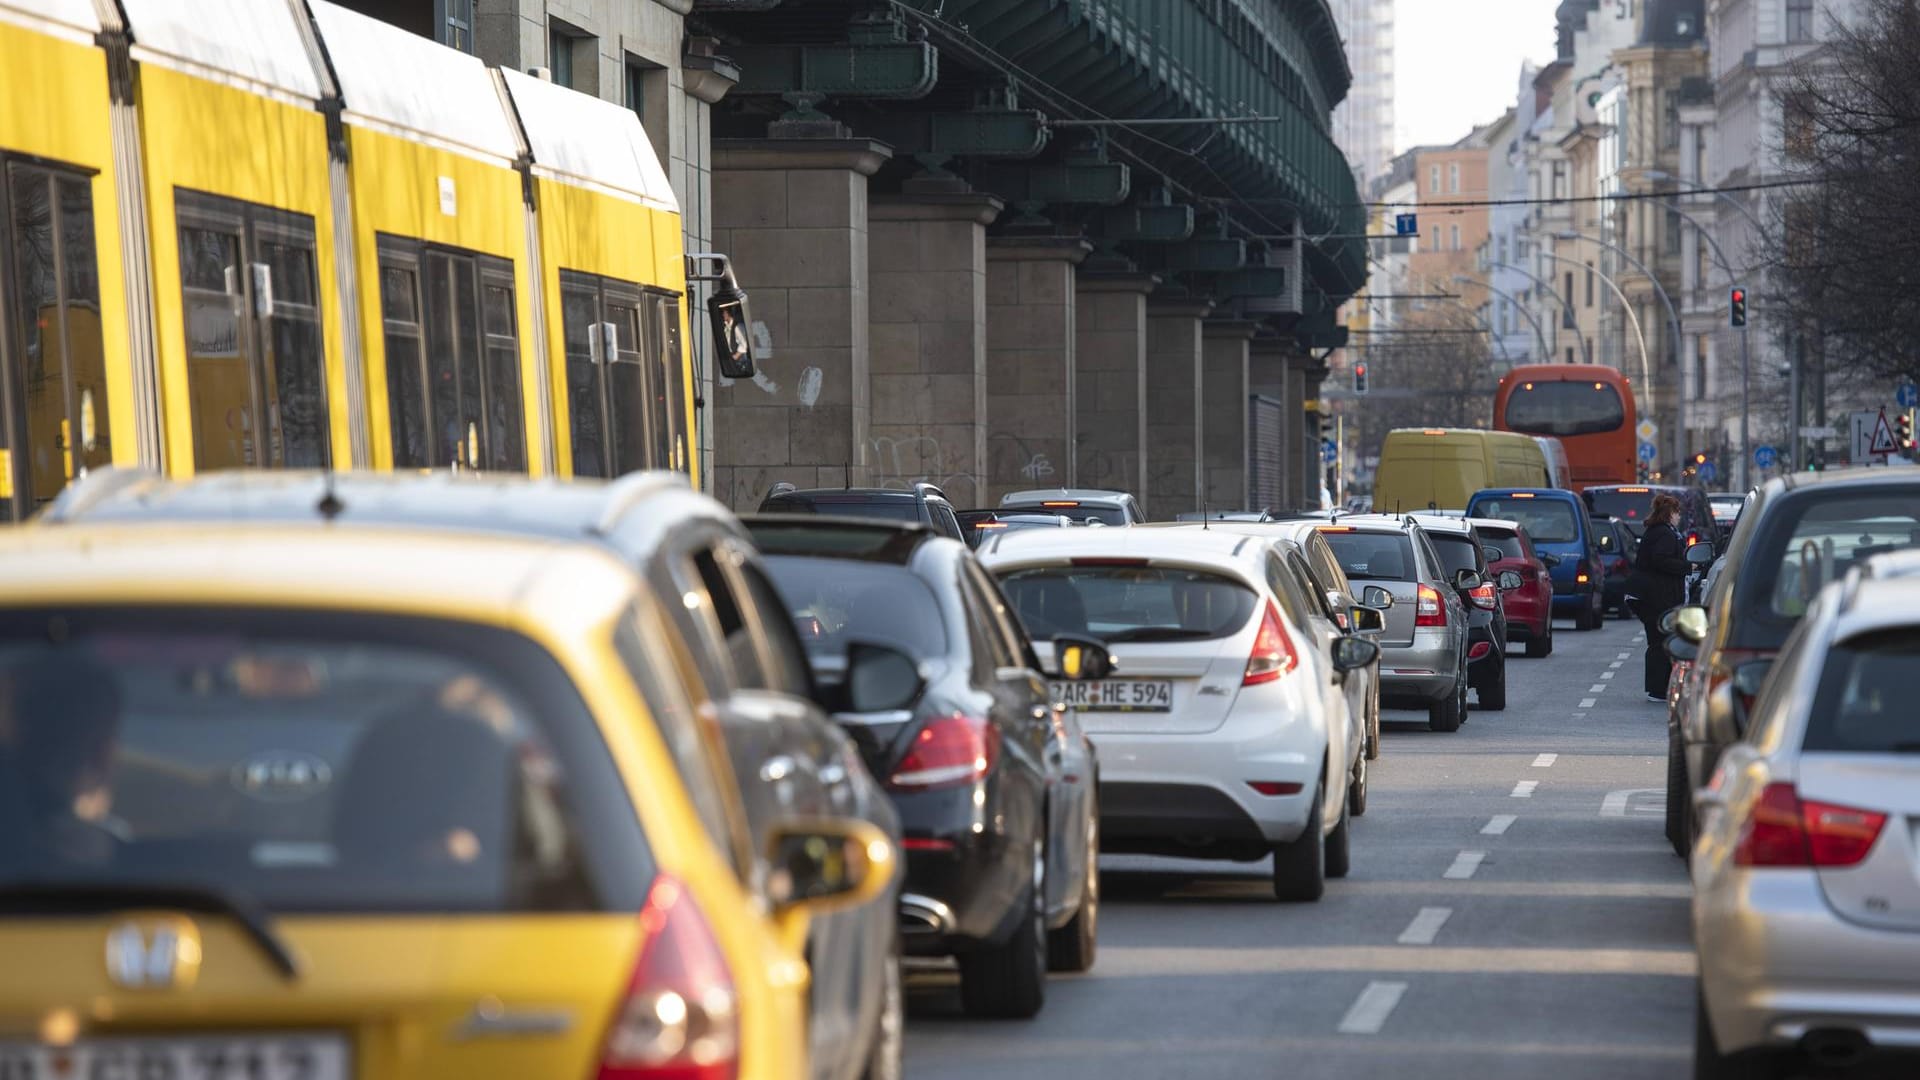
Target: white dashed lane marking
<point>1588,703</point>
<point>1596,688</point>
<point>1371,1009</point>
<point>1524,789</point>
<point>1623,656</point>
<point>1616,664</point>
<point>1425,926</point>
<point>1606,674</point>
<point>1499,824</point>
<point>1464,864</point>
<point>1545,761</point>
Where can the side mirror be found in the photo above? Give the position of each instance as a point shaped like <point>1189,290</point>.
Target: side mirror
<point>1725,722</point>
<point>1081,658</point>
<point>1690,622</point>
<point>1701,554</point>
<point>1550,561</point>
<point>1376,597</point>
<point>1492,554</point>
<point>880,678</point>
<point>827,864</point>
<point>1510,580</point>
<point>732,332</point>
<point>1748,677</point>
<point>1466,579</point>
<point>1681,649</point>
<point>1352,653</point>
<point>1367,620</point>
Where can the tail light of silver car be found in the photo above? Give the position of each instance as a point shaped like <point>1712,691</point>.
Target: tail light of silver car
<point>949,751</point>
<point>1428,609</point>
<point>1783,829</point>
<point>1273,652</point>
<point>679,1017</point>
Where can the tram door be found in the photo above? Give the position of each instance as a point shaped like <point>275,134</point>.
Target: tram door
<point>624,381</point>
<point>255,358</point>
<point>53,394</point>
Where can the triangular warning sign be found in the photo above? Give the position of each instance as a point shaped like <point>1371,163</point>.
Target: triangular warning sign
<point>1882,436</point>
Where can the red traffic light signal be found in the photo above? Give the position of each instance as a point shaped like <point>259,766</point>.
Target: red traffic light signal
<point>1360,377</point>
<point>1737,307</point>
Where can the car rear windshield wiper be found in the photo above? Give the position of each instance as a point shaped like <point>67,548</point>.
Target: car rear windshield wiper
<point>95,897</point>
<point>1157,633</point>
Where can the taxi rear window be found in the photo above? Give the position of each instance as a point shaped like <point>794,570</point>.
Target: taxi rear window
<point>307,762</point>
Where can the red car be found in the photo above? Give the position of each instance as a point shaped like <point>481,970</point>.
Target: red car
<point>1530,607</point>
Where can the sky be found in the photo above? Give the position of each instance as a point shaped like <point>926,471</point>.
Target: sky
<point>1457,63</point>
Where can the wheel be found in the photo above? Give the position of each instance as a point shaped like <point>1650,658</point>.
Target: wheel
<point>1584,619</point>
<point>1357,788</point>
<point>1339,844</point>
<point>1540,645</point>
<point>1447,715</point>
<point>883,1058</point>
<point>1009,981</point>
<point>1677,808</point>
<point>1071,947</point>
<point>1493,696</point>
<point>1710,1064</point>
<point>1300,866</point>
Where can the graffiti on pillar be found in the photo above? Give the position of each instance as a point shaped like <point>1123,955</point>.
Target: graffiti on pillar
<point>1038,467</point>
<point>1110,470</point>
<point>1011,458</point>
<point>901,461</point>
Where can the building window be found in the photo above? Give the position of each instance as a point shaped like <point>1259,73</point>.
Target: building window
<point>1436,238</point>
<point>1570,358</point>
<point>1453,179</point>
<point>1569,288</point>
<point>1433,179</point>
<point>1670,130</point>
<point>560,45</point>
<point>1799,20</point>
<point>636,91</point>
<point>1700,367</point>
<point>1559,180</point>
<point>1589,284</point>
<point>453,23</point>
<point>1456,237</point>
<point>1673,232</point>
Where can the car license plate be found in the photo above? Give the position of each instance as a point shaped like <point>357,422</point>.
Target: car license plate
<point>237,1057</point>
<point>1116,695</point>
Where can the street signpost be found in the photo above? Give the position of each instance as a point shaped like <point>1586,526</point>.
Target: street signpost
<point>1765,457</point>
<point>1647,430</point>
<point>1907,395</point>
<point>1872,437</point>
<point>1406,225</point>
<point>1707,472</point>
<point>1329,451</point>
<point>1648,451</point>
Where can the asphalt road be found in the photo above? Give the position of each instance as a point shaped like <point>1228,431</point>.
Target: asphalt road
<point>1513,911</point>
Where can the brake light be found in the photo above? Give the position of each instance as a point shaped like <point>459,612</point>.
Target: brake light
<point>679,1019</point>
<point>1633,490</point>
<point>1479,650</point>
<point>1692,539</point>
<point>1273,654</point>
<point>1062,503</point>
<point>1521,495</point>
<point>1434,431</point>
<point>1783,830</point>
<point>1335,528</point>
<point>1274,787</point>
<point>990,525</point>
<point>949,751</point>
<point>1582,573</point>
<point>1428,610</point>
<point>1484,595</point>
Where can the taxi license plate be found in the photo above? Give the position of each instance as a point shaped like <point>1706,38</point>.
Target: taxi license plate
<point>239,1057</point>
<point>1114,695</point>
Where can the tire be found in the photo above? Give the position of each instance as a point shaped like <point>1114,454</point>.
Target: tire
<point>1072,947</point>
<point>890,1027</point>
<point>1448,715</point>
<point>1357,788</point>
<point>1584,619</point>
<point>1677,800</point>
<point>1540,645</point>
<point>1493,696</point>
<point>1339,844</point>
<point>1009,981</point>
<point>1300,866</point>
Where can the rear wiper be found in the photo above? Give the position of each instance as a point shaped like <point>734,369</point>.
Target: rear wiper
<point>97,897</point>
<point>1158,633</point>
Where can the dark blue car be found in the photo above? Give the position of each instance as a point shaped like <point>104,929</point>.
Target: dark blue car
<point>1563,535</point>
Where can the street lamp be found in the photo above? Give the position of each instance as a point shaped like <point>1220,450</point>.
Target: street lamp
<point>1572,322</point>
<point>1632,317</point>
<point>1673,323</point>
<point>1468,279</point>
<point>1660,176</point>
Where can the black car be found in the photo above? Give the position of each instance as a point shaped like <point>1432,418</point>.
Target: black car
<point>994,785</point>
<point>1463,553</point>
<point>924,505</point>
<point>1632,502</point>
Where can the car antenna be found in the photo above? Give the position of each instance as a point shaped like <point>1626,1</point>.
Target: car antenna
<point>1204,516</point>
<point>329,506</point>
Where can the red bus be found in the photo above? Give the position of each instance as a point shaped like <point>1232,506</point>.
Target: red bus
<point>1588,407</point>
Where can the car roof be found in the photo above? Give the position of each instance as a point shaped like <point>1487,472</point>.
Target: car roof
<point>818,537</point>
<point>1497,523</point>
<point>1892,603</point>
<point>1085,495</point>
<point>1555,492</point>
<point>1446,526</point>
<point>851,494</point>
<point>485,578</point>
<point>1211,548</point>
<point>1862,477</point>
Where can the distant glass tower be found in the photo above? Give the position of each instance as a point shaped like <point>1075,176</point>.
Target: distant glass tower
<point>1363,123</point>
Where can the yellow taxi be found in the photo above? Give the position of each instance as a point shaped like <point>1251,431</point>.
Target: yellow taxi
<point>284,803</point>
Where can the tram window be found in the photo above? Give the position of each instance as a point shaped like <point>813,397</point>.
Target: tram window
<point>255,347</point>
<point>625,375</point>
<point>670,434</point>
<point>627,387</point>
<point>580,324</point>
<point>453,376</point>
<point>53,374</point>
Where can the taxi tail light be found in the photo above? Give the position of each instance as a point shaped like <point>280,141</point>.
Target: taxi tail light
<point>1484,595</point>
<point>1273,654</point>
<point>680,1018</point>
<point>949,751</point>
<point>1428,610</point>
<point>1784,830</point>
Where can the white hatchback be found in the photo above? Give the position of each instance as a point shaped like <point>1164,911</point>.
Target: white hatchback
<point>1223,732</point>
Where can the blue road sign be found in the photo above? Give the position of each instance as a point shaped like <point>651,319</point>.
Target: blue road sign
<point>1707,472</point>
<point>1406,224</point>
<point>1907,394</point>
<point>1329,451</point>
<point>1765,456</point>
<point>1648,451</point>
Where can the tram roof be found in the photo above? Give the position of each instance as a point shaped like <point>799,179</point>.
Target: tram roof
<point>78,14</point>
<point>258,43</point>
<point>580,138</point>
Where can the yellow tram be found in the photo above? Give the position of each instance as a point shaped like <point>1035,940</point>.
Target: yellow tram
<point>277,233</point>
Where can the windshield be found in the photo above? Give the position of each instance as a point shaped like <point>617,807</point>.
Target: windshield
<point>1457,553</point>
<point>1565,408</point>
<point>1629,504</point>
<point>1373,556</point>
<point>1864,703</point>
<point>836,600</point>
<point>313,763</point>
<point>844,506</point>
<point>1506,540</point>
<point>1128,603</point>
<point>1548,521</point>
<point>1080,514</point>
<point>1826,539</point>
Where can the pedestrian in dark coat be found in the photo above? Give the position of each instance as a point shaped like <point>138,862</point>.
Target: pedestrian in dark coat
<point>1658,585</point>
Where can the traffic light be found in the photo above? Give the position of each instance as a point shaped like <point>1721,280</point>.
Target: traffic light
<point>1903,431</point>
<point>1360,377</point>
<point>1737,306</point>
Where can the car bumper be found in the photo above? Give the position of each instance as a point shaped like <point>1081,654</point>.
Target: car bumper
<point>1777,963</point>
<point>967,864</point>
<point>1417,675</point>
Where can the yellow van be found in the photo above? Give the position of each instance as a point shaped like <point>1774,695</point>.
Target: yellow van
<point>1441,468</point>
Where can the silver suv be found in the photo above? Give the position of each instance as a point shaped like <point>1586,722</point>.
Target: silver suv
<point>1087,506</point>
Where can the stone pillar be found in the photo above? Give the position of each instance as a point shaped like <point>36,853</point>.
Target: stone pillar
<point>1173,403</point>
<point>1267,457</point>
<point>929,333</point>
<point>793,215</point>
<point>1110,381</point>
<point>1223,415</point>
<point>1304,443</point>
<point>1030,362</point>
<point>1313,374</point>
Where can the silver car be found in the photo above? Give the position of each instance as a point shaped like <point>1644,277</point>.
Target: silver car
<point>1806,908</point>
<point>1423,651</point>
<point>1088,506</point>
